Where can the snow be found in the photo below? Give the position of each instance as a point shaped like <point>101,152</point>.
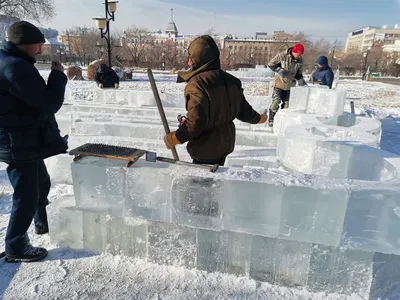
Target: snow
<point>78,274</point>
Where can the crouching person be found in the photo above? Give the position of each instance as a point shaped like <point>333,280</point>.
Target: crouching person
<point>28,134</point>
<point>106,77</point>
<point>323,75</point>
<point>214,99</point>
<point>288,67</point>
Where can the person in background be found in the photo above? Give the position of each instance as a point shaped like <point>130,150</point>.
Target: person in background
<point>288,67</point>
<point>28,134</point>
<point>106,77</point>
<point>214,99</point>
<point>323,75</point>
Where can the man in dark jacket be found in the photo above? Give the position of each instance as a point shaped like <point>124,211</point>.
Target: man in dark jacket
<point>288,67</point>
<point>214,99</point>
<point>323,75</point>
<point>106,77</point>
<point>28,134</point>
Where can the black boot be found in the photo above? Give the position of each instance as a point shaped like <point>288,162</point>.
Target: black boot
<point>31,254</point>
<point>41,228</point>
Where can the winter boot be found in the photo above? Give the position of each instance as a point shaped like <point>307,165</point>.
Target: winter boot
<point>41,228</point>
<point>30,254</point>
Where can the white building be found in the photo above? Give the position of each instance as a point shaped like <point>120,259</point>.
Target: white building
<point>390,48</point>
<point>360,40</point>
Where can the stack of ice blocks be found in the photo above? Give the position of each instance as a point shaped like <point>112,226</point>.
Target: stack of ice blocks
<point>237,221</point>
<point>315,137</point>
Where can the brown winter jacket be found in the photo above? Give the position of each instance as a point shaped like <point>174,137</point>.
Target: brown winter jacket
<point>285,60</point>
<point>214,99</point>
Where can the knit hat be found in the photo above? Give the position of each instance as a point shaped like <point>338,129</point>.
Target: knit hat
<point>298,48</point>
<point>25,33</point>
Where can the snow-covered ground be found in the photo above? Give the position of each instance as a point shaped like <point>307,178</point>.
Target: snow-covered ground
<point>78,274</point>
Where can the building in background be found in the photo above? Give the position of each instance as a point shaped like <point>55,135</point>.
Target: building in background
<point>167,48</point>
<point>363,39</point>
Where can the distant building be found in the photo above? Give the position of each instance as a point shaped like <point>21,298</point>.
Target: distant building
<point>168,48</point>
<point>254,51</point>
<point>362,39</point>
<point>52,48</point>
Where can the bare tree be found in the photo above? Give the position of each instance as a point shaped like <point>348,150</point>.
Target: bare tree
<point>37,10</point>
<point>135,42</point>
<point>82,42</point>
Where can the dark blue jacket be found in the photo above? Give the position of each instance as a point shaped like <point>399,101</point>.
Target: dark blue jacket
<point>325,75</point>
<point>106,76</point>
<point>28,128</point>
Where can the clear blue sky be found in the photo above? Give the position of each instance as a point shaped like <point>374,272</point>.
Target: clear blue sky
<point>320,18</point>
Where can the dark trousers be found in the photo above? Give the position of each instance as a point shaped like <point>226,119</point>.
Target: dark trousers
<point>218,161</point>
<point>31,184</point>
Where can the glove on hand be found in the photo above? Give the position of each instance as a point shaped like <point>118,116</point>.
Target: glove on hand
<point>171,140</point>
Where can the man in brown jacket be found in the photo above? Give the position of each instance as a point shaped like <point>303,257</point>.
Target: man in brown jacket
<point>288,67</point>
<point>214,99</point>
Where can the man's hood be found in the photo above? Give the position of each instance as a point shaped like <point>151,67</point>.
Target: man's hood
<point>204,53</point>
<point>323,61</point>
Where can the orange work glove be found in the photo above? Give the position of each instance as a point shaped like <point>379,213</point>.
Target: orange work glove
<point>263,118</point>
<point>171,140</point>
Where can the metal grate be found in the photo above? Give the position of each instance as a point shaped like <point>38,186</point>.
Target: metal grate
<point>131,155</point>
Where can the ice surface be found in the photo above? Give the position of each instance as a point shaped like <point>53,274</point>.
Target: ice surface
<point>319,101</point>
<point>225,252</point>
<point>334,152</point>
<point>170,193</point>
<point>294,213</point>
<point>100,187</point>
<point>299,97</point>
<point>171,244</point>
<point>326,102</point>
<point>288,117</point>
<point>147,130</point>
<point>372,220</point>
<point>197,202</point>
<point>316,267</point>
<point>59,168</point>
<point>287,235</point>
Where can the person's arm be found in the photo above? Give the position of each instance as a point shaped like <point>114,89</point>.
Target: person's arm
<point>197,104</point>
<point>30,87</point>
<point>329,77</point>
<point>247,113</point>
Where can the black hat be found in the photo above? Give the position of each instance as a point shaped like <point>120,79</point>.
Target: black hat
<point>25,33</point>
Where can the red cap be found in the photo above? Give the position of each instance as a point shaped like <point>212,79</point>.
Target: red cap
<point>298,48</point>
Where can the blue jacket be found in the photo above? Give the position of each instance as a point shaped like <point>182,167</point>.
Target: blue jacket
<point>28,128</point>
<point>325,75</point>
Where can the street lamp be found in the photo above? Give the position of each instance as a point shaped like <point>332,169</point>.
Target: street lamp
<point>61,52</point>
<point>365,54</point>
<point>104,24</point>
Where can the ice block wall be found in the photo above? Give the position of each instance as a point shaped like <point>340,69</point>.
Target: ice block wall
<point>236,221</point>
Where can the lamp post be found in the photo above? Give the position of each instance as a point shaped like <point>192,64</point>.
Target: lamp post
<point>104,25</point>
<point>61,51</point>
<point>365,54</point>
